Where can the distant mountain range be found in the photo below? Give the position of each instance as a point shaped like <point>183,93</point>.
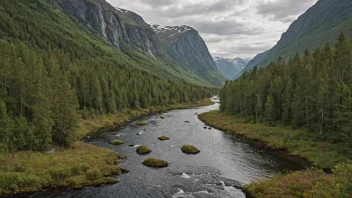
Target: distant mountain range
<point>319,25</point>
<point>231,67</point>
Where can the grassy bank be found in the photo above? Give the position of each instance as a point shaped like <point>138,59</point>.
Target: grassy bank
<point>75,167</point>
<point>106,121</point>
<point>308,183</point>
<point>297,142</point>
<point>297,184</point>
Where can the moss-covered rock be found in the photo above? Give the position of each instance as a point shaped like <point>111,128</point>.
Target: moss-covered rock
<point>111,170</point>
<point>189,149</point>
<point>155,163</point>
<point>116,142</point>
<point>143,150</point>
<point>122,157</point>
<point>142,123</point>
<point>163,138</point>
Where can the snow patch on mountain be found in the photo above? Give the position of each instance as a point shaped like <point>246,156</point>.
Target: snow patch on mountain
<point>231,67</point>
<point>121,10</point>
<point>180,29</point>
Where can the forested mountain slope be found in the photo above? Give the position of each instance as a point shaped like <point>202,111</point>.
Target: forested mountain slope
<point>53,71</point>
<point>187,48</point>
<point>320,24</point>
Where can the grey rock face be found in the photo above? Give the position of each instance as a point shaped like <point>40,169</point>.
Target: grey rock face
<point>121,28</point>
<point>186,47</point>
<point>128,32</point>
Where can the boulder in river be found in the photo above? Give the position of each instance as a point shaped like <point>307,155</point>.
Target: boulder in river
<point>143,150</point>
<point>163,138</point>
<point>155,163</point>
<point>116,142</point>
<point>142,123</point>
<point>205,127</point>
<point>187,122</point>
<point>189,149</point>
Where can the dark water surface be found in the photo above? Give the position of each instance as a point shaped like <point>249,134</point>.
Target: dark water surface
<point>224,163</point>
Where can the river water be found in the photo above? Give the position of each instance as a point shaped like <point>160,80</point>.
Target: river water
<point>224,164</point>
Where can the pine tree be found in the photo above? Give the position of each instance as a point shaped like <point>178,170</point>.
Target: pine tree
<point>287,102</point>
<point>6,126</point>
<point>343,116</point>
<point>41,107</point>
<point>65,114</point>
<point>270,109</point>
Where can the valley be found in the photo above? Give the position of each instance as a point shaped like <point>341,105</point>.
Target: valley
<point>118,98</point>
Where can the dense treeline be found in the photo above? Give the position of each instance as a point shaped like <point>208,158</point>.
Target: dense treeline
<point>50,78</point>
<point>313,92</point>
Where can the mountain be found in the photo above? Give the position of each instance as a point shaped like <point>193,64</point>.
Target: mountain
<point>123,29</point>
<point>56,67</point>
<point>128,33</point>
<point>320,24</point>
<point>231,67</point>
<point>187,48</point>
<point>252,63</point>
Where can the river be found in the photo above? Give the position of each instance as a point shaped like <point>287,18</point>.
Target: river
<point>224,164</point>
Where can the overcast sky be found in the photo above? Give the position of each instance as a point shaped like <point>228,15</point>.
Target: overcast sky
<point>231,28</point>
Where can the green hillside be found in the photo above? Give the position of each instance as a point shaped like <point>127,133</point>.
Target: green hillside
<point>53,71</point>
<point>319,25</point>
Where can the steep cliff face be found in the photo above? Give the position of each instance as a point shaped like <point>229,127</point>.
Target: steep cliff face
<point>186,47</point>
<point>231,67</point>
<point>129,33</point>
<point>121,28</point>
<point>321,23</point>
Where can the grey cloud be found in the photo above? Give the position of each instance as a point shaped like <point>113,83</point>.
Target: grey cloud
<point>230,27</point>
<point>283,10</point>
<point>156,3</point>
<point>202,8</point>
<point>224,27</point>
<point>246,48</point>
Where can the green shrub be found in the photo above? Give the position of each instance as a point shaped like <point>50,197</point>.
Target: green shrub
<point>339,186</point>
<point>328,159</point>
<point>20,168</point>
<point>93,174</point>
<point>84,167</point>
<point>14,181</point>
<point>76,170</point>
<point>60,173</point>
